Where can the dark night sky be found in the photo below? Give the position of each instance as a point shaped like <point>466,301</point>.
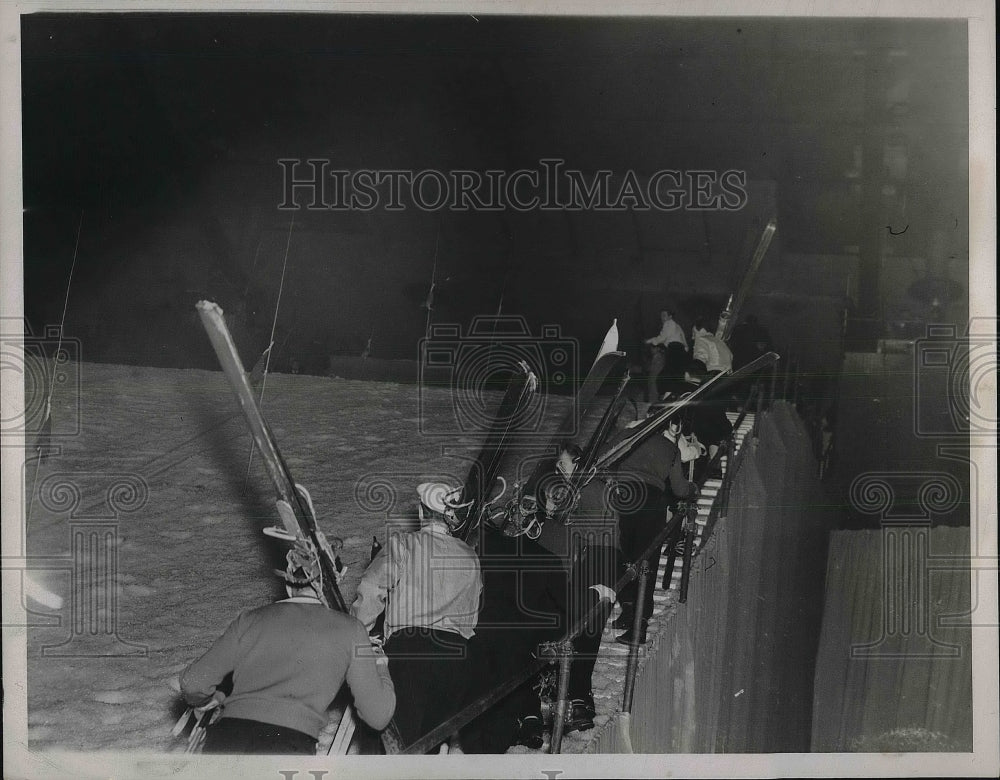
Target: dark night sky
<point>165,131</point>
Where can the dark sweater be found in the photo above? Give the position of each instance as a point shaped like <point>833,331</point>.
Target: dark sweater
<point>288,660</point>
<point>656,462</point>
<point>592,522</point>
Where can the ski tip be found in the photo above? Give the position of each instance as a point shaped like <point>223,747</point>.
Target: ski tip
<point>208,306</point>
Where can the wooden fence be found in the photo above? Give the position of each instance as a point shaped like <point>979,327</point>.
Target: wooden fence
<point>895,665</point>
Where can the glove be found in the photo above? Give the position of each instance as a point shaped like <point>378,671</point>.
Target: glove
<point>378,651</point>
<point>215,703</point>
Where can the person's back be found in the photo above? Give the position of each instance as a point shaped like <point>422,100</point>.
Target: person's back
<point>651,479</point>
<point>435,578</point>
<point>712,351</point>
<point>428,583</point>
<point>655,463</point>
<point>288,661</point>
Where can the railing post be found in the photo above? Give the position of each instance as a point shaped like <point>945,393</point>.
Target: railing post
<point>633,649</point>
<point>391,741</point>
<point>668,573</point>
<point>784,381</point>
<point>689,533</point>
<point>565,654</point>
<point>774,384</point>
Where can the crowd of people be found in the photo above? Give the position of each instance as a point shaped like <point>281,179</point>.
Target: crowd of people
<point>437,622</point>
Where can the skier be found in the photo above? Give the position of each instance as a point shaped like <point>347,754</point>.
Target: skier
<point>710,349</point>
<point>288,661</point>
<point>651,479</point>
<point>669,351</point>
<point>428,584</point>
<point>581,530</point>
<point>708,419</point>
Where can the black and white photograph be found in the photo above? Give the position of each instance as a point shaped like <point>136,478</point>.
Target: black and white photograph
<point>339,341</point>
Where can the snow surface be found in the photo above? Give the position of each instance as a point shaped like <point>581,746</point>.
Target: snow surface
<point>192,556</point>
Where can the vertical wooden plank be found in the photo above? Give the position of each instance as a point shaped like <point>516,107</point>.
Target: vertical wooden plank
<point>920,690</point>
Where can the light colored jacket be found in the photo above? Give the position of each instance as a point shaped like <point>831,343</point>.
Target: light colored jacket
<point>426,578</point>
<point>712,351</point>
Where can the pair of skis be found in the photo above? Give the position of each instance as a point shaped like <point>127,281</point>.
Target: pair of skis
<point>293,502</point>
<point>737,299</point>
<point>617,370</point>
<point>474,501</point>
<point>610,364</point>
<point>520,387</point>
<point>309,545</point>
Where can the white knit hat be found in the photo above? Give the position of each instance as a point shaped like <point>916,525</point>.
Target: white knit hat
<point>435,496</point>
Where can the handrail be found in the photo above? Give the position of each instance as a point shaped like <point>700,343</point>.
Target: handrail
<point>753,398</point>
<point>476,708</point>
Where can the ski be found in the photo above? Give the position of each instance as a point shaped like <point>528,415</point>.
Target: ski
<point>586,400</point>
<point>603,428</point>
<point>607,358</point>
<point>746,283</point>
<point>609,362</point>
<point>586,469</point>
<point>656,423</point>
<point>292,501</point>
<point>474,499</point>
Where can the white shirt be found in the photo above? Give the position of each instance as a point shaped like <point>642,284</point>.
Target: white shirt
<point>670,332</point>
